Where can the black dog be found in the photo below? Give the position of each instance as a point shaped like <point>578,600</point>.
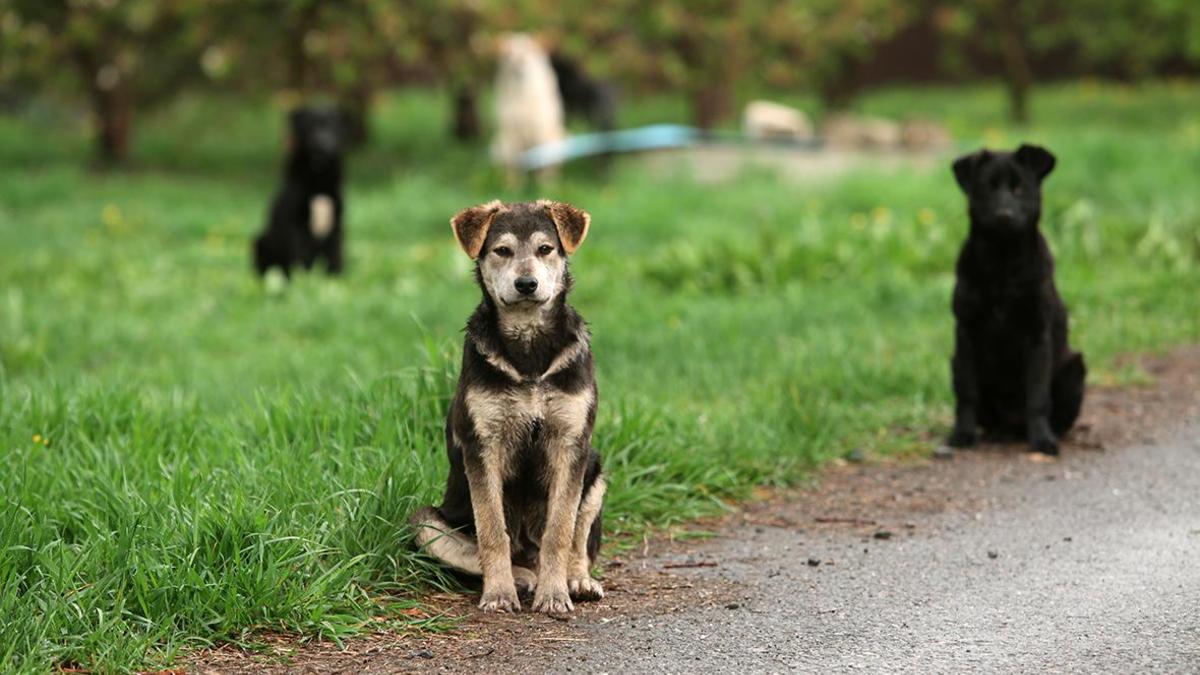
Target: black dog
<point>305,222</point>
<point>583,96</point>
<point>523,501</point>
<point>1014,372</point>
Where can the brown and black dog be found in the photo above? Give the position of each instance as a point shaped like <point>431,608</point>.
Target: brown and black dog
<point>1014,372</point>
<point>523,500</point>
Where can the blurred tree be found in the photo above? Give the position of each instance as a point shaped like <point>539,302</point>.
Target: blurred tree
<point>998,28</point>
<point>349,49</point>
<point>708,49</point>
<point>694,47</point>
<point>1129,38</point>
<point>815,44</point>
<point>342,49</point>
<point>125,55</point>
<point>449,36</point>
<point>706,52</point>
<point>1126,38</point>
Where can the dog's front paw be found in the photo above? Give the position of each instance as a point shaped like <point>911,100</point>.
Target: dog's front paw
<point>552,600</point>
<point>962,438</point>
<point>504,600</point>
<point>1045,444</point>
<point>585,588</point>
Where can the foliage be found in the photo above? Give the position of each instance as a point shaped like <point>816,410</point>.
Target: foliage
<point>814,44</point>
<point>1128,38</point>
<point>125,54</point>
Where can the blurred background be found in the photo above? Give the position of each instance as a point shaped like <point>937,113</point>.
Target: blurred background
<point>195,454</point>
<point>111,65</point>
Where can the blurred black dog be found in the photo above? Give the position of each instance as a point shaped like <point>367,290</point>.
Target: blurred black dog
<point>594,101</point>
<point>305,222</point>
<point>1014,372</point>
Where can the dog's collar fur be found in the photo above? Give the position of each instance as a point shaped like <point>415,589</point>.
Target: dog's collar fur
<point>561,343</point>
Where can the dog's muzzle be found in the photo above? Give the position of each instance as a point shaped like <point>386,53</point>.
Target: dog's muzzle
<point>526,285</point>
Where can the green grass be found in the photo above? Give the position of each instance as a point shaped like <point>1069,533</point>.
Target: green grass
<point>217,458</point>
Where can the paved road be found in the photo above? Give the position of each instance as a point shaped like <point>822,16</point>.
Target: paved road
<point>1086,564</point>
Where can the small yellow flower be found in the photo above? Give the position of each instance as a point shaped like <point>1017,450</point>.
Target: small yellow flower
<point>881,215</point>
<point>926,216</point>
<point>110,215</point>
<point>37,438</point>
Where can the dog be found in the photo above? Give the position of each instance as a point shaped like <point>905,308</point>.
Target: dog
<point>1014,372</point>
<point>584,97</point>
<point>529,109</point>
<point>305,221</point>
<point>847,131</point>
<point>523,501</point>
<point>770,121</point>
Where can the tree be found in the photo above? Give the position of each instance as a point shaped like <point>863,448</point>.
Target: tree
<point>450,37</point>
<point>816,44</point>
<point>126,55</point>
<point>341,49</point>
<point>707,49</point>
<point>1126,38</point>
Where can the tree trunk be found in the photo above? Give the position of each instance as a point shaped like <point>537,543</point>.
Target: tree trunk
<point>835,95</point>
<point>711,104</point>
<point>1018,74</point>
<point>112,109</point>
<point>356,105</point>
<point>466,125</point>
<point>296,27</point>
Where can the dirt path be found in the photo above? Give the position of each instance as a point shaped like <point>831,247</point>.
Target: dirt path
<point>720,163</point>
<point>993,560</point>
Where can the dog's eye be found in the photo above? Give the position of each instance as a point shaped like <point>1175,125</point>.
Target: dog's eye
<point>503,251</point>
<point>545,249</point>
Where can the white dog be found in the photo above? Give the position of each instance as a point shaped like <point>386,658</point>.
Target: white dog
<point>529,109</point>
<point>766,120</point>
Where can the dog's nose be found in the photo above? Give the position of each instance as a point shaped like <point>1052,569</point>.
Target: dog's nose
<point>526,285</point>
<point>1006,217</point>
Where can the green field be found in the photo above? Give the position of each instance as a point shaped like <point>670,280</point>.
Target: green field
<point>190,456</point>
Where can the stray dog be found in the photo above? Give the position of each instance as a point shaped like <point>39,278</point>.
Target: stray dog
<point>529,109</point>
<point>1014,372</point>
<point>523,501</point>
<point>770,121</point>
<point>847,131</point>
<point>594,101</point>
<point>305,222</point>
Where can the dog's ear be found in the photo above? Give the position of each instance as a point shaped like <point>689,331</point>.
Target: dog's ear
<point>1037,159</point>
<point>966,166</point>
<point>572,224</point>
<point>471,226</point>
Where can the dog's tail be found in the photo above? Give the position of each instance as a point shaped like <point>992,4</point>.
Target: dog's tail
<point>453,547</point>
